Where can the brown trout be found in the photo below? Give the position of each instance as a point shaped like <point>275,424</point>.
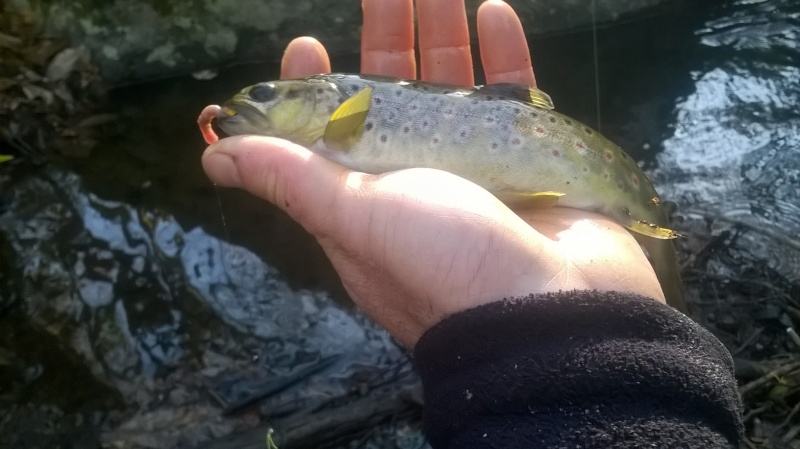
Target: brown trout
<point>504,137</point>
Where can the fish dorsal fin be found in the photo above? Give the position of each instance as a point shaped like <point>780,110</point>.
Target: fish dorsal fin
<point>346,124</point>
<point>518,92</point>
<point>528,199</point>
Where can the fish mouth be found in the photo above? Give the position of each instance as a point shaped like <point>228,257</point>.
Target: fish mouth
<point>237,118</point>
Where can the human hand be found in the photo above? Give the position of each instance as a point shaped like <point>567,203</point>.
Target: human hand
<point>415,246</point>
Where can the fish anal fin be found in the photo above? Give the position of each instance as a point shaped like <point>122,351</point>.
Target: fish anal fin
<point>651,230</point>
<point>529,199</point>
<point>518,92</point>
<point>346,125</point>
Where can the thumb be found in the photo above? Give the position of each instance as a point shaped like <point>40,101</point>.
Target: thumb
<point>305,185</point>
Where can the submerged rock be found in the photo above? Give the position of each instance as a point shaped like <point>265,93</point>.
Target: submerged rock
<point>145,39</point>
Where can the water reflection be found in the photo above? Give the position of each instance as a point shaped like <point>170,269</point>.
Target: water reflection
<point>735,150</point>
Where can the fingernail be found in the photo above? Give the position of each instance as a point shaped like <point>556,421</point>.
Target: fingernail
<point>222,169</point>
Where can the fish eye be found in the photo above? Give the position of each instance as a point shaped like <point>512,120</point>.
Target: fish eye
<point>262,92</point>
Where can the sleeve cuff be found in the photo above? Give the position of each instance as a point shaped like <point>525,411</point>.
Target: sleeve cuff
<point>596,369</point>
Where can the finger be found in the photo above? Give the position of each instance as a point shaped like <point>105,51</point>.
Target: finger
<point>387,38</point>
<point>290,176</point>
<point>504,49</point>
<point>445,55</point>
<point>303,57</point>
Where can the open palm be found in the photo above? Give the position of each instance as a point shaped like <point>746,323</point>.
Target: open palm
<point>415,246</point>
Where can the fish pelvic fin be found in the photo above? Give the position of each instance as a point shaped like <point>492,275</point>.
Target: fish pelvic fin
<point>529,199</point>
<point>346,125</point>
<point>651,229</point>
<point>518,92</point>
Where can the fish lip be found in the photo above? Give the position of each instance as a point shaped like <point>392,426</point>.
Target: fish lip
<point>236,115</point>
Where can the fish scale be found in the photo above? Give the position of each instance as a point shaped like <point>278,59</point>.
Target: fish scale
<point>505,138</point>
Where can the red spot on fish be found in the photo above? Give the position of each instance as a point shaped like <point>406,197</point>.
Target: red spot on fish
<point>515,141</point>
<point>608,155</point>
<point>580,145</point>
<point>538,130</point>
<point>635,180</point>
<point>556,153</point>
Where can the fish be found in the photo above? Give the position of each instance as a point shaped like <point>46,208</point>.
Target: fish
<point>507,138</point>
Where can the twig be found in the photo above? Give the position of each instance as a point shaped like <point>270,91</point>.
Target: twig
<point>761,228</point>
<point>748,341</point>
<point>763,380</point>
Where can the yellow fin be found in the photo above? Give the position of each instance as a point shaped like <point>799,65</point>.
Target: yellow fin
<point>518,92</point>
<point>347,123</point>
<point>651,230</point>
<point>5,158</point>
<point>530,199</point>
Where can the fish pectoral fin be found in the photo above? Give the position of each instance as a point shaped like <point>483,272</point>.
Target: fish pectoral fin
<point>346,125</point>
<point>518,92</point>
<point>651,229</point>
<point>529,199</point>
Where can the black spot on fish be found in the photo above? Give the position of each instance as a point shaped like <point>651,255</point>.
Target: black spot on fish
<point>369,126</point>
<point>406,129</point>
<point>383,138</point>
<point>552,119</point>
<point>320,91</point>
<point>354,86</point>
<point>398,93</point>
<point>533,114</point>
<point>489,97</point>
<point>568,121</point>
<point>378,100</point>
<point>587,130</point>
<point>446,92</point>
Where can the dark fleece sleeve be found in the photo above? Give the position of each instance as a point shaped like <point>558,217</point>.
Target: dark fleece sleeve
<point>577,370</point>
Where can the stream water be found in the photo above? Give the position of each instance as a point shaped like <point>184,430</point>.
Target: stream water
<point>131,317</point>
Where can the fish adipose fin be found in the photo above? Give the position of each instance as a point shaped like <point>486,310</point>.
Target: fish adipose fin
<point>651,230</point>
<point>529,199</point>
<point>517,92</point>
<point>347,122</point>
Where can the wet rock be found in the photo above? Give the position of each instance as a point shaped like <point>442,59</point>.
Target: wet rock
<point>147,39</point>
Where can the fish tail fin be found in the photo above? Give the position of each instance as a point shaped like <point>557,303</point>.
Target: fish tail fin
<point>665,263</point>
